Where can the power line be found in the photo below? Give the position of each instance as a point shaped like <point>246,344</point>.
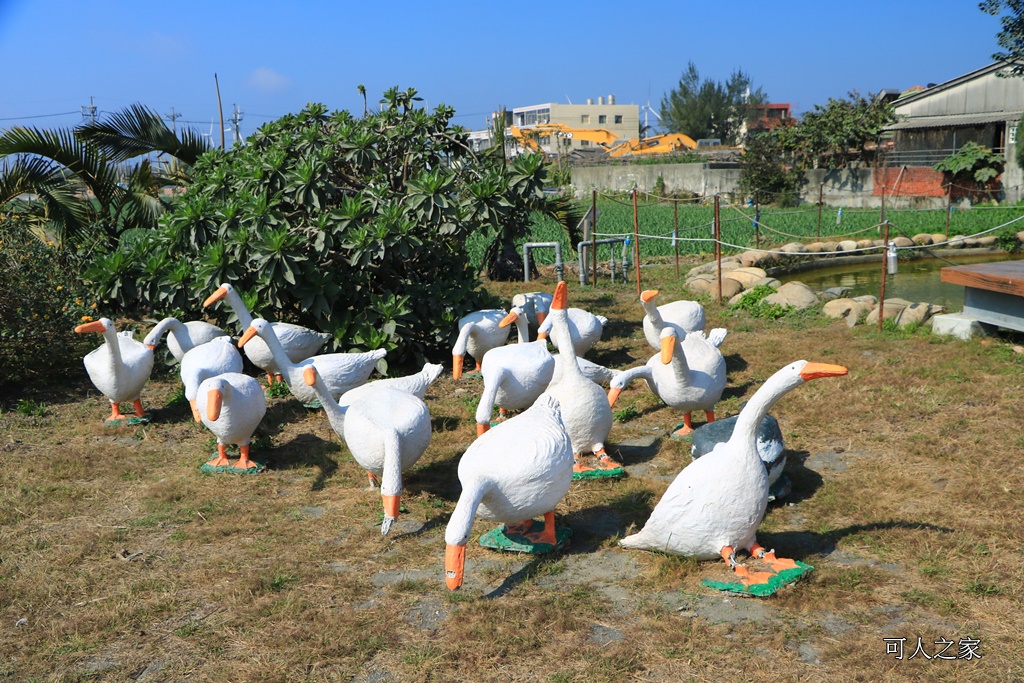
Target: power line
<point>38,116</point>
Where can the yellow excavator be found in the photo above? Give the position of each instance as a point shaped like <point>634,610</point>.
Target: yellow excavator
<point>654,144</point>
<point>528,138</point>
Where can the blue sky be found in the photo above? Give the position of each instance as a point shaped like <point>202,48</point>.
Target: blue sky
<point>273,57</point>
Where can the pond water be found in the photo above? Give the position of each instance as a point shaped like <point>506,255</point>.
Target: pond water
<point>917,280</point>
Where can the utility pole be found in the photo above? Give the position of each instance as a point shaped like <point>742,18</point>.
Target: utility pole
<point>89,110</point>
<point>236,118</point>
<point>174,120</point>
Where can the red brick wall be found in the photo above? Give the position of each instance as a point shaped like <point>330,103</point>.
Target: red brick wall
<point>919,181</point>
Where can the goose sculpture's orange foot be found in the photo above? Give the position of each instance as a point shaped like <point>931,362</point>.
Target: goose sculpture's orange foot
<point>115,413</point>
<point>374,482</point>
<point>604,461</point>
<point>244,463</point>
<point>222,457</point>
<point>768,557</point>
<point>548,534</point>
<point>746,577</point>
<point>478,367</point>
<point>578,466</point>
<point>686,429</point>
<point>519,528</point>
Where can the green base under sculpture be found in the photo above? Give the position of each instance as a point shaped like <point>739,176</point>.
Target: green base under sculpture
<point>497,540</point>
<point>762,590</point>
<point>129,421</point>
<point>599,474</point>
<point>228,469</point>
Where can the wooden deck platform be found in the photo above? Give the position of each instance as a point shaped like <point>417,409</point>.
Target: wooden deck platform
<point>994,292</point>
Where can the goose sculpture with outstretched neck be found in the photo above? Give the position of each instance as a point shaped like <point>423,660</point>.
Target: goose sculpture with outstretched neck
<point>231,406</point>
<point>298,342</point>
<point>514,375</point>
<point>684,316</point>
<point>519,469</point>
<point>119,368</point>
<point>535,306</point>
<point>386,430</point>
<point>216,357</point>
<point>584,407</point>
<point>182,337</point>
<point>479,332</point>
<point>714,505</point>
<point>687,375</point>
<point>340,372</point>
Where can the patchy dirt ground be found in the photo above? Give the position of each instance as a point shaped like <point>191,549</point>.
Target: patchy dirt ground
<point>120,561</point>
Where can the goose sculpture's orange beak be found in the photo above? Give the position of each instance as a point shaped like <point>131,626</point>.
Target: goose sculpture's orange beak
<point>250,332</point>
<point>819,370</point>
<point>613,396</point>
<point>94,326</point>
<point>454,565</point>
<point>668,347</point>
<point>457,366</point>
<point>309,375</point>
<point>213,404</point>
<point>561,299</point>
<point>216,296</point>
<point>648,294</point>
<point>508,319</point>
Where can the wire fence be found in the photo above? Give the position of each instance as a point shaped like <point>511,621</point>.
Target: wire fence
<point>668,227</point>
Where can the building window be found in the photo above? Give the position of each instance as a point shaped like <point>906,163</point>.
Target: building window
<point>1012,138</point>
<point>584,143</point>
<point>601,118</point>
<point>584,118</point>
<point>618,118</point>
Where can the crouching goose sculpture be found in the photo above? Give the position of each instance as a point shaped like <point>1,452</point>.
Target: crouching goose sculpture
<point>714,505</point>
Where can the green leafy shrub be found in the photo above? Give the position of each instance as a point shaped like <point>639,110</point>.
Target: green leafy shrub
<point>41,303</point>
<point>356,227</point>
<point>1007,240</point>
<point>753,303</point>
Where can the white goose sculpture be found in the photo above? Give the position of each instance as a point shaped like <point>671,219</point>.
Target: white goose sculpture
<point>688,375</point>
<point>684,316</point>
<point>479,332</point>
<point>119,368</point>
<point>299,343</point>
<point>231,406</point>
<point>535,306</point>
<point>340,372</point>
<point>585,329</point>
<point>208,360</point>
<point>182,337</point>
<point>519,469</point>
<point>514,375</point>
<point>386,430</point>
<point>714,505</point>
<point>584,406</point>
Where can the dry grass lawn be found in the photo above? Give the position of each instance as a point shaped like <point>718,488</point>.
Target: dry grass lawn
<point>120,561</point>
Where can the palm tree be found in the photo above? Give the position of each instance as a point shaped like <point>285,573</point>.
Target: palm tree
<point>362,91</point>
<point>85,181</point>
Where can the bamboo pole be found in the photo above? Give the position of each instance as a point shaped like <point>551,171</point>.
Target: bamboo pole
<point>675,232</point>
<point>718,249</point>
<point>821,189</point>
<point>757,222</point>
<point>636,242</point>
<point>593,232</point>
<point>881,297</point>
<point>220,109</point>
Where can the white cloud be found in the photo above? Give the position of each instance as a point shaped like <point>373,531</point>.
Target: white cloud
<point>268,80</point>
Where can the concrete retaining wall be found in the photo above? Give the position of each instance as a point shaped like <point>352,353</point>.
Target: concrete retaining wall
<point>857,187</point>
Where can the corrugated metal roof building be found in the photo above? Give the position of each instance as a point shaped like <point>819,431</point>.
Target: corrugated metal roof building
<point>980,106</point>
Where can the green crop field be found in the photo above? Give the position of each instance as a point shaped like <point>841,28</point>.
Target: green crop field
<point>778,226</point>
